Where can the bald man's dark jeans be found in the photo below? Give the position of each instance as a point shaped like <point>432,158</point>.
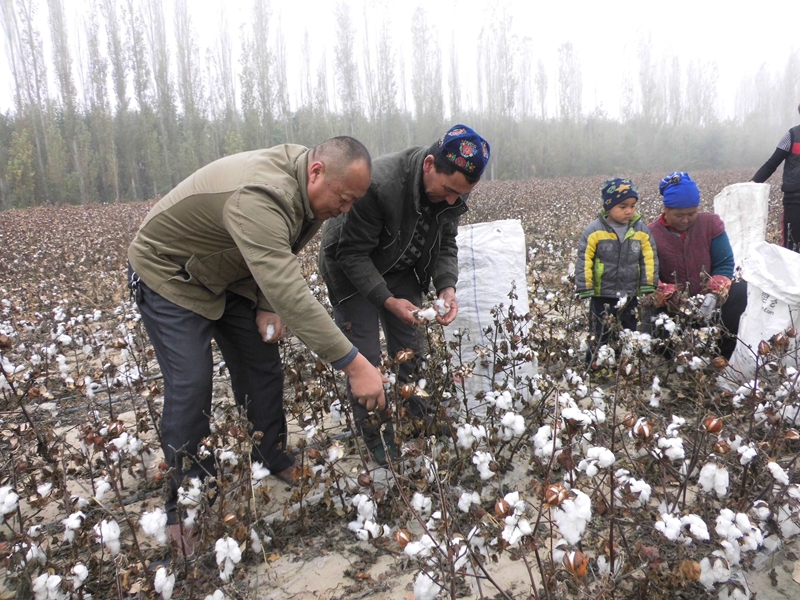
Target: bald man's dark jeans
<point>182,343</point>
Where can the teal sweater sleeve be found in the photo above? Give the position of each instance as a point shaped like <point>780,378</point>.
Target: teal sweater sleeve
<point>722,256</point>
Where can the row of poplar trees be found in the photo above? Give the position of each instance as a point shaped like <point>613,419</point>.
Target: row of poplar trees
<point>141,107</point>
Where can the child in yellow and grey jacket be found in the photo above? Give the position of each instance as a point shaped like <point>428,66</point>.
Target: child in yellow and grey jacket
<point>617,262</point>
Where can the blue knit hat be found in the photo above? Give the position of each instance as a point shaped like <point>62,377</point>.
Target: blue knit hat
<point>679,191</point>
<point>468,151</point>
<point>616,190</point>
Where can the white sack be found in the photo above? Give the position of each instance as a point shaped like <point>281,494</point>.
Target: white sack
<point>743,207</point>
<point>773,302</point>
<point>491,260</point>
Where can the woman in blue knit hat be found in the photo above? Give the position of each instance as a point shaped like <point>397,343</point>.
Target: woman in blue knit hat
<point>696,257</point>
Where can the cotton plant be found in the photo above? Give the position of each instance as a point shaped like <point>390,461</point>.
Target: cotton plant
<point>154,525</point>
<point>546,444</point>
<point>467,499</point>
<point>572,516</point>
<point>597,457</point>
<point>778,473</point>
<point>228,555</point>
<point>258,472</point>
<point>425,585</point>
<point>516,525</point>
<point>107,533</point>
<point>676,528</point>
<point>48,587</point>
<point>738,534</point>
<point>468,436</point>
<point>8,502</point>
<point>190,498</point>
<point>72,524</point>
<point>164,583</point>
<point>78,575</point>
<point>483,461</point>
<point>714,476</point>
<point>632,492</point>
<point>365,525</point>
<point>511,425</point>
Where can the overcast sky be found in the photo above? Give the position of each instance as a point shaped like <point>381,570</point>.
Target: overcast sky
<point>605,35</point>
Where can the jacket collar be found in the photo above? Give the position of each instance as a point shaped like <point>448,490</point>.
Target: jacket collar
<point>301,174</point>
<point>603,216</point>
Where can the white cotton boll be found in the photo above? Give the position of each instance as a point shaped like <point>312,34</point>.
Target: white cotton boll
<point>513,425</point>
<point>71,524</point>
<point>107,533</point>
<point>217,595</point>
<point>228,457</point>
<point>422,504</point>
<point>674,427</point>
<point>786,521</point>
<point>163,583</point>
<point>711,573</point>
<point>467,435</point>
<point>544,443</point>
<point>572,516</point>
<point>697,527</point>
<point>515,530</point>
<point>336,412</point>
<point>425,588</point>
<point>191,496</point>
<point>423,548</point>
<point>714,477</point>
<point>311,431</point>
<point>669,526</point>
<point>270,333</point>
<point>39,586</point>
<point>748,453</point>
<point>501,400</point>
<point>79,574</point>
<point>101,489</point>
<point>441,307</point>
<point>8,501</point>
<point>762,510</point>
<point>467,499</point>
<point>35,554</point>
<point>43,489</point>
<point>335,452</point>
<point>258,472</point>
<point>154,524</point>
<point>483,460</point>
<point>427,315</point>
<point>778,473</point>
<point>228,555</point>
<point>672,448</point>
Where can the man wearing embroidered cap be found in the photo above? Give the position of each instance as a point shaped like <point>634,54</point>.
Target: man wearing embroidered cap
<point>380,258</point>
<point>788,153</point>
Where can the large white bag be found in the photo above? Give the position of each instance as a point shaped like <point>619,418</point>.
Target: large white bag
<point>491,260</point>
<point>743,207</point>
<point>773,302</point>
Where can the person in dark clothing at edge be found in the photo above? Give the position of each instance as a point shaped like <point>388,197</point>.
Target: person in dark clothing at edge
<point>379,260</point>
<point>788,153</point>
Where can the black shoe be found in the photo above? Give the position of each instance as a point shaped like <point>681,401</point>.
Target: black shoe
<point>383,452</point>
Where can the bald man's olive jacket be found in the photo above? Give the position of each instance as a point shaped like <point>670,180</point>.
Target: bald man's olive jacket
<point>236,225</point>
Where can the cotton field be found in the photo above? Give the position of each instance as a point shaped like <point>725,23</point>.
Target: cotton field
<point>658,473</point>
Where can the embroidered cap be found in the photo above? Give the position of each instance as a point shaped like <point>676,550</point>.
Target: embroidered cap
<point>468,151</point>
<point>616,190</point>
<point>679,191</point>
